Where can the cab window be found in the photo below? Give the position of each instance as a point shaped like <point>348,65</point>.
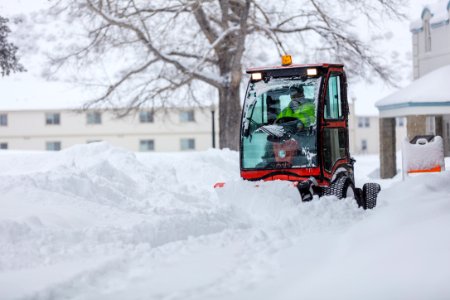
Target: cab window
<point>334,141</point>
<point>333,98</point>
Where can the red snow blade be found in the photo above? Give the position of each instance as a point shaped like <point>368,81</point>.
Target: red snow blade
<point>219,185</point>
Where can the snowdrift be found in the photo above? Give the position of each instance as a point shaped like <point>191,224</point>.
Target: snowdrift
<point>99,222</point>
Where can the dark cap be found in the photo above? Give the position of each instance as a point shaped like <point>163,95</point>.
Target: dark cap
<point>296,90</point>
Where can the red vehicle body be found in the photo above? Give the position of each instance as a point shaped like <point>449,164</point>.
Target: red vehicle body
<point>322,175</point>
<point>313,155</point>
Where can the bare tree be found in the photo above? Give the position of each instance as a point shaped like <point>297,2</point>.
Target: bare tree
<point>8,60</point>
<point>173,45</point>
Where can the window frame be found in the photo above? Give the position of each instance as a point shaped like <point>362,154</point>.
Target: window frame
<point>146,142</point>
<point>364,122</point>
<point>427,33</point>
<point>48,143</point>
<point>364,145</point>
<point>4,120</point>
<point>53,121</point>
<point>93,120</point>
<point>344,160</point>
<point>340,93</point>
<point>146,116</point>
<point>189,146</point>
<point>342,156</point>
<point>190,116</point>
<point>360,122</point>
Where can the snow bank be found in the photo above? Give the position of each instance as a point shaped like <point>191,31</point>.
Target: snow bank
<point>423,155</point>
<point>99,222</point>
<point>93,201</point>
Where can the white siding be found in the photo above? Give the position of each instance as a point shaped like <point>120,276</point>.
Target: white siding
<point>425,62</point>
<point>370,134</point>
<point>27,130</point>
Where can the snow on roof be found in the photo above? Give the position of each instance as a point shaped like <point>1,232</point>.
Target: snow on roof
<point>26,92</point>
<point>429,89</point>
<point>439,15</point>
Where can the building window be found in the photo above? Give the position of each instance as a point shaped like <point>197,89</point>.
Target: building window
<point>53,146</point>
<point>333,101</point>
<point>146,145</point>
<point>3,120</point>
<point>94,117</point>
<point>427,32</point>
<point>363,145</point>
<point>187,116</point>
<point>400,121</point>
<point>335,141</point>
<point>52,119</point>
<point>187,144</point>
<point>146,117</point>
<point>3,146</point>
<point>430,125</point>
<point>363,122</point>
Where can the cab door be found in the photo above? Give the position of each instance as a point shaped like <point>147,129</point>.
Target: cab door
<point>334,132</point>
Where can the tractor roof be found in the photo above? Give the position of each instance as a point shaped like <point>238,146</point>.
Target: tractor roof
<point>293,66</point>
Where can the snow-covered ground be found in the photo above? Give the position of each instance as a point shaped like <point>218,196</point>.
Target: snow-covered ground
<point>98,222</point>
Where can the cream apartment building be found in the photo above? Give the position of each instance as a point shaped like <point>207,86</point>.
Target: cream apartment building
<point>175,129</point>
<point>364,134</point>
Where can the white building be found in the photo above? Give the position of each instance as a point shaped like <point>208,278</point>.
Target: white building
<point>171,130</point>
<point>426,101</point>
<point>431,38</point>
<point>160,131</point>
<point>364,132</point>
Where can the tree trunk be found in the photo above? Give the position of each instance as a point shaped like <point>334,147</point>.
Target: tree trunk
<point>229,116</point>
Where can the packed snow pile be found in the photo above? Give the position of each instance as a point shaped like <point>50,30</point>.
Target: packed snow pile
<point>423,155</point>
<point>99,222</point>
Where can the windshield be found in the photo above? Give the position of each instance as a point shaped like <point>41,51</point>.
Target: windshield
<point>279,125</point>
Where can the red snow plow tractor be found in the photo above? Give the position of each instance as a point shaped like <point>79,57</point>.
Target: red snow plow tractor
<point>294,127</point>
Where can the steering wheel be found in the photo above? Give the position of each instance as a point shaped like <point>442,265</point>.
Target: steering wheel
<point>292,123</point>
<point>286,120</point>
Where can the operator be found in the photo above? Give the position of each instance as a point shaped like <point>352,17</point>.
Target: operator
<point>299,108</point>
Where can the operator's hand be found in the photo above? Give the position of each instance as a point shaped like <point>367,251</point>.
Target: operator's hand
<point>300,125</point>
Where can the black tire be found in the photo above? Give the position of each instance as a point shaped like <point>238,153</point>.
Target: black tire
<point>359,197</point>
<point>342,187</point>
<point>370,193</point>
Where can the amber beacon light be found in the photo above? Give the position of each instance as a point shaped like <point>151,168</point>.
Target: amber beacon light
<point>286,60</point>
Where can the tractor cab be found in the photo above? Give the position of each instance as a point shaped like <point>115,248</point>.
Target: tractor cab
<point>295,124</point>
<point>295,128</point>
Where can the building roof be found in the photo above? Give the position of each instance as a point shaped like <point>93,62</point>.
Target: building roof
<point>26,92</point>
<point>427,95</point>
<point>439,13</point>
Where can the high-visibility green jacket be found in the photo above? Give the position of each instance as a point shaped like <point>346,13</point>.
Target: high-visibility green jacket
<point>306,113</point>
